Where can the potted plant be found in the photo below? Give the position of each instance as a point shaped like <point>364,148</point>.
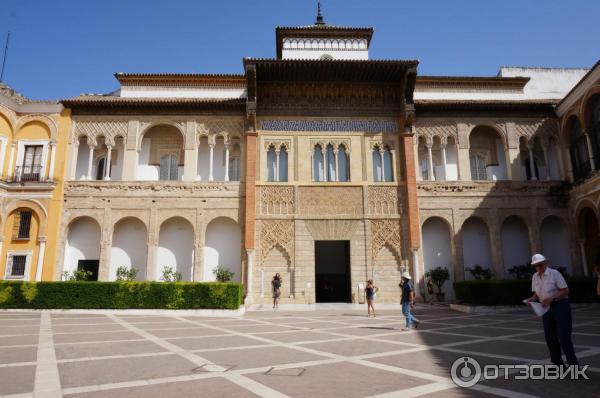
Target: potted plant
<point>439,276</point>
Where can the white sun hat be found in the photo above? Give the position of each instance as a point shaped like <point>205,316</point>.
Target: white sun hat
<point>406,275</point>
<point>537,258</point>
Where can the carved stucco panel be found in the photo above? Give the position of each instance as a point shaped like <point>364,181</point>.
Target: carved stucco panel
<point>386,233</point>
<point>274,200</point>
<point>331,201</point>
<point>332,229</point>
<point>276,233</point>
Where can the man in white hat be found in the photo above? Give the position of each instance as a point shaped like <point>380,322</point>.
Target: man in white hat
<point>408,301</point>
<point>551,290</point>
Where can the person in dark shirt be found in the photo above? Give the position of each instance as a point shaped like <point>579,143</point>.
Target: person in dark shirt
<point>370,291</point>
<point>408,301</point>
<point>276,287</point>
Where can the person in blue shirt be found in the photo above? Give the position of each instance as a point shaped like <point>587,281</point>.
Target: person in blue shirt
<point>408,301</point>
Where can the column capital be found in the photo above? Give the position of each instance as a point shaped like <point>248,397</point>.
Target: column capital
<point>53,143</point>
<point>109,147</point>
<point>41,239</point>
<point>428,145</point>
<point>92,146</point>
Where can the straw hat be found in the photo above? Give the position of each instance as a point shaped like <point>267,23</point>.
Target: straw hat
<point>406,275</point>
<point>537,258</point>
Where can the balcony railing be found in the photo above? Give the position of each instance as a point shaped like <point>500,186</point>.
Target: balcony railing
<point>28,174</point>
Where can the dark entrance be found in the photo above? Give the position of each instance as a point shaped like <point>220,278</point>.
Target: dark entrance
<point>332,271</point>
<point>89,265</point>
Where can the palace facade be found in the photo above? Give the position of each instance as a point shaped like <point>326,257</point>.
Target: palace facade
<point>320,164</point>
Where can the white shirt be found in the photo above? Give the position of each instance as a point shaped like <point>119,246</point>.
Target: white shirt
<point>548,284</point>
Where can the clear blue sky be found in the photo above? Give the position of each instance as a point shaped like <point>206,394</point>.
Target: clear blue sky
<point>61,48</point>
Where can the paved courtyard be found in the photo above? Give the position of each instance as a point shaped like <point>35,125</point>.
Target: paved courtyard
<point>323,353</point>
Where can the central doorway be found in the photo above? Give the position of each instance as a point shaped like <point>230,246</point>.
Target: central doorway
<point>332,271</point>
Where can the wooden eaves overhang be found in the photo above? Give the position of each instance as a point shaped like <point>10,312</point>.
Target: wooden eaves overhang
<point>543,108</point>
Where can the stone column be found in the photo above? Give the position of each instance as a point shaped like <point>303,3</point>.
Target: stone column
<point>90,162</point>
<point>190,164</point>
<point>227,162</point>
<point>10,170</point>
<point>430,173</point>
<point>104,266</point>
<point>531,164</point>
<point>249,276</point>
<point>151,271</point>
<point>211,158</point>
<point>444,159</point>
<point>276,170</point>
<point>335,156</point>
<point>52,160</point>
<point>584,263</point>
<point>74,147</point>
<point>545,148</point>
<point>590,151</point>
<point>382,165</point>
<point>40,262</point>
<point>108,163</point>
<point>416,272</point>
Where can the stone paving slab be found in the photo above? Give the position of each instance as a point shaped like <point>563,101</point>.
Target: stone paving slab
<point>272,354</point>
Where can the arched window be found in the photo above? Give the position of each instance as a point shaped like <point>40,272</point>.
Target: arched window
<point>235,163</point>
<point>593,123</point>
<point>318,169</point>
<point>169,165</point>
<point>377,170</point>
<point>100,169</point>
<point>330,156</point>
<point>343,172</point>
<point>579,151</point>
<point>478,171</point>
<point>382,165</point>
<point>388,167</point>
<point>282,167</point>
<point>271,164</point>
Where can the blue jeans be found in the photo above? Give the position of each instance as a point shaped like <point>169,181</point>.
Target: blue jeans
<point>557,329</point>
<point>410,319</point>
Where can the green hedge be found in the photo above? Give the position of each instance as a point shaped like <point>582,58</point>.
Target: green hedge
<point>513,291</point>
<point>120,295</point>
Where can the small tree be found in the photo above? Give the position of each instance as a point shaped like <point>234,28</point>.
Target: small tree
<point>77,275</point>
<point>524,271</point>
<point>223,274</point>
<point>126,274</point>
<point>439,276</point>
<point>479,273</point>
<point>170,275</point>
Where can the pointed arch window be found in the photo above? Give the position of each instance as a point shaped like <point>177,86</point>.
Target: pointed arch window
<point>271,164</point>
<point>282,166</point>
<point>343,164</point>
<point>579,151</point>
<point>318,165</point>
<point>383,170</point>
<point>100,168</point>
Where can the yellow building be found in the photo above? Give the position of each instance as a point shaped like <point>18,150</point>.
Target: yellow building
<point>33,139</point>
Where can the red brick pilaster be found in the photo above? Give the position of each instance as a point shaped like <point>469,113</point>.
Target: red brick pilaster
<point>411,192</point>
<point>250,202</point>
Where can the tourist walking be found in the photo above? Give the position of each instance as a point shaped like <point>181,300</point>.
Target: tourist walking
<point>551,290</point>
<point>408,301</point>
<point>276,287</point>
<point>370,291</point>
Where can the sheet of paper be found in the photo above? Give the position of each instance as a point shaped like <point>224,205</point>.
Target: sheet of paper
<point>538,308</point>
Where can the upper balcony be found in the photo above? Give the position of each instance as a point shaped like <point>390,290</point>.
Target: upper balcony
<point>491,188</point>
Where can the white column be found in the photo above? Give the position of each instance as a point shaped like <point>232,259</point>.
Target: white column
<point>90,162</point>
<point>2,155</point>
<point>210,158</point>
<point>545,148</point>
<point>444,160</point>
<point>73,165</point>
<point>590,151</point>
<point>324,155</point>
<point>52,160</point>
<point>9,171</point>
<point>335,156</point>
<point>531,165</point>
<point>430,163</point>
<point>249,276</point>
<point>583,257</point>
<point>276,171</point>
<point>107,163</point>
<point>227,162</point>
<point>40,262</point>
<point>381,157</point>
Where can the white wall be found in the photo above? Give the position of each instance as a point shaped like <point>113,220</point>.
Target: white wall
<point>498,173</point>
<point>129,247</point>
<point>437,250</point>
<point>515,243</point>
<point>219,161</point>
<point>116,172</point>
<point>451,162</point>
<point>203,160</point>
<point>83,242</point>
<point>83,157</point>
<point>176,247</point>
<point>476,245</point>
<point>144,171</point>
<point>555,243</point>
<point>223,246</point>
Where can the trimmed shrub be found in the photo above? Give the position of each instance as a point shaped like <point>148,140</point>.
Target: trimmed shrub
<point>120,295</point>
<point>513,291</point>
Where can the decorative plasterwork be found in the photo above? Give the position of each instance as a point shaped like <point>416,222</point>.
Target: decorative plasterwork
<point>227,129</point>
<point>277,233</point>
<point>274,200</point>
<point>110,129</point>
<point>379,145</point>
<point>335,143</point>
<point>277,144</point>
<point>385,233</point>
<point>480,188</point>
<point>150,188</point>
<point>442,129</point>
<point>370,126</point>
<point>544,129</point>
<point>332,229</point>
<point>330,201</point>
<point>383,200</point>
